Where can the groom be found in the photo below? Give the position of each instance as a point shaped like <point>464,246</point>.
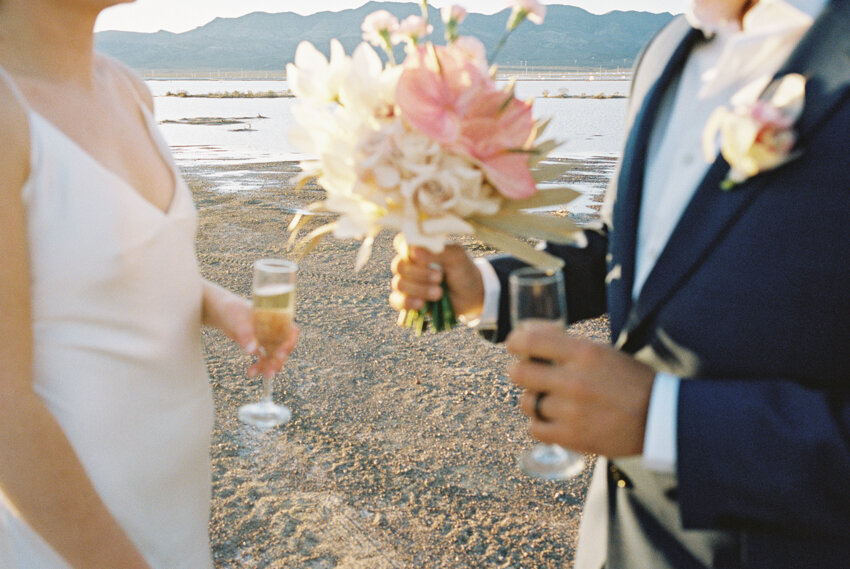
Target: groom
<point>723,409</point>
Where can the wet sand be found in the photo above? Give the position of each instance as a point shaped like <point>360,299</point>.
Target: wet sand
<point>402,450</point>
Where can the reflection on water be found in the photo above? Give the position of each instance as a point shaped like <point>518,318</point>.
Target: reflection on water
<point>586,127</point>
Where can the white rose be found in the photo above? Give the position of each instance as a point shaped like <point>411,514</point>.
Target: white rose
<point>452,185</point>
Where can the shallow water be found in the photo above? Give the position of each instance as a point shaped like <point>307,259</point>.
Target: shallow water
<point>586,127</point>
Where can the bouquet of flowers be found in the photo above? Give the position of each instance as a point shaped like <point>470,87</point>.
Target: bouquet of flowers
<point>431,147</point>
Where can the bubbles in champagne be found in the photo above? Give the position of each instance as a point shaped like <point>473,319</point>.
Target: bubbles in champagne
<point>273,311</point>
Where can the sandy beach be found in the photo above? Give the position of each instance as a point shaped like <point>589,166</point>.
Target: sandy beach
<point>402,450</point>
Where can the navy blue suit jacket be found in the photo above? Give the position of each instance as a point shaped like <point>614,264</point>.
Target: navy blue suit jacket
<point>750,304</point>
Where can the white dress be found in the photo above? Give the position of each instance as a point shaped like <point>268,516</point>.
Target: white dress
<point>116,298</point>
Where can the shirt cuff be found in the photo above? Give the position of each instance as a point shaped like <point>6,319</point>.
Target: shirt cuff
<point>659,443</point>
<point>489,317</point>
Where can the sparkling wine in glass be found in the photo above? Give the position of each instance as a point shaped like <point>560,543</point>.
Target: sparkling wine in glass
<point>273,310</point>
<point>537,294</point>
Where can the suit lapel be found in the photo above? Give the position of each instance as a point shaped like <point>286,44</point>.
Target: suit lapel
<point>823,57</point>
<point>630,180</point>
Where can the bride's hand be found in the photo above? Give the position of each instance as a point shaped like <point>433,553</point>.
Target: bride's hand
<point>269,365</point>
<point>231,314</point>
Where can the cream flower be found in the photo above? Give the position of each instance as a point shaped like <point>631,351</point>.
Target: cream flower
<point>473,50</point>
<point>758,136</point>
<point>452,16</point>
<point>526,9</point>
<point>379,27</point>
<point>412,29</point>
<point>452,185</point>
<point>416,187</point>
<point>453,13</point>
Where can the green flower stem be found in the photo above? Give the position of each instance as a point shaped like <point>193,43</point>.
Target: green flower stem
<point>499,47</point>
<point>435,309</point>
<point>514,20</point>
<point>437,315</point>
<point>451,31</point>
<point>447,310</point>
<point>388,45</point>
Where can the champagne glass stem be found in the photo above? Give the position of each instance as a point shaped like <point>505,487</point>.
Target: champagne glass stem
<point>268,387</point>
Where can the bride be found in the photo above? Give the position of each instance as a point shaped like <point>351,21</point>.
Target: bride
<point>105,404</point>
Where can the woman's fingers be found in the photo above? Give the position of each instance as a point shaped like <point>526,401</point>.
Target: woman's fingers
<point>271,364</point>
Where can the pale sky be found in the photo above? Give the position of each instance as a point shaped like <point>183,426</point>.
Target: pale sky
<point>182,15</point>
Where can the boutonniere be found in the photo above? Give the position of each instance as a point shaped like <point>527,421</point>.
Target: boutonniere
<point>758,136</point>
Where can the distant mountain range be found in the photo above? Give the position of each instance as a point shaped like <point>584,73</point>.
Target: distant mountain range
<point>569,37</point>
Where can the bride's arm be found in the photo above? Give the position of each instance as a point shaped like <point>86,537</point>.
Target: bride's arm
<point>40,475</point>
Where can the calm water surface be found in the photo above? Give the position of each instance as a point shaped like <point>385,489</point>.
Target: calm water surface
<point>587,127</point>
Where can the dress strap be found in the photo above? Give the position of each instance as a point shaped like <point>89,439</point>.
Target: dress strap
<point>126,75</point>
<point>34,152</point>
<point>16,92</point>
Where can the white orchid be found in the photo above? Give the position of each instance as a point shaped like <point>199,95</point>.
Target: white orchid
<point>312,77</point>
<point>331,121</point>
<point>367,88</point>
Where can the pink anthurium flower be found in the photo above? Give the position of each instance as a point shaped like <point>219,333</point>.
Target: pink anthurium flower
<point>448,97</point>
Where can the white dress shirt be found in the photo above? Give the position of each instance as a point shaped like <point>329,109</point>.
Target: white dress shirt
<point>732,68</point>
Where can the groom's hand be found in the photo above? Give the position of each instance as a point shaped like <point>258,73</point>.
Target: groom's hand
<point>417,274</point>
<point>596,398</point>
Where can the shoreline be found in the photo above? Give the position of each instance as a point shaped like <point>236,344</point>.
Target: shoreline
<point>290,95</point>
<point>402,451</point>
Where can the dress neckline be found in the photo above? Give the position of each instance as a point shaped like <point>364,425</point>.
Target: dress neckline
<point>148,120</point>
<point>169,210</point>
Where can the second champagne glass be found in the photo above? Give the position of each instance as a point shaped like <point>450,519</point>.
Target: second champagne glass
<point>273,299</point>
<point>539,295</point>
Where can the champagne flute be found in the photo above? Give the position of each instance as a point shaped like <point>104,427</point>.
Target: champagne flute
<point>536,294</point>
<point>273,300</point>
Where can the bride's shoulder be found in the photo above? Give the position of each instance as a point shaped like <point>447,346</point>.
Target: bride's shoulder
<point>122,73</point>
<point>14,132</point>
